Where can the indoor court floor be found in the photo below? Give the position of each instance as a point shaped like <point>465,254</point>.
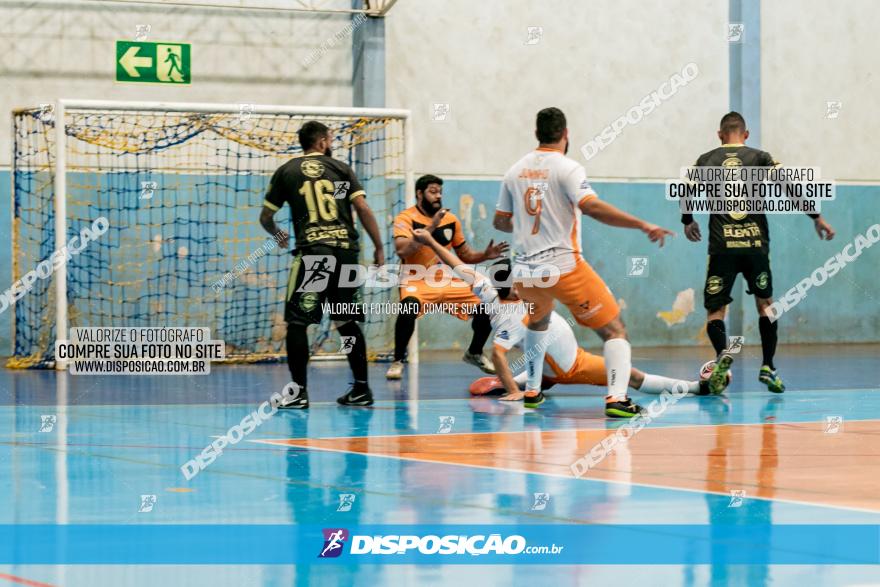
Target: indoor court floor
<point>745,470</point>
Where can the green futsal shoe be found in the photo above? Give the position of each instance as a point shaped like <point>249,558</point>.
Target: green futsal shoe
<point>533,399</point>
<point>771,379</point>
<point>623,408</point>
<point>719,378</point>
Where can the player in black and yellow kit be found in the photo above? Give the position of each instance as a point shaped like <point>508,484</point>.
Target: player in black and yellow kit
<point>322,193</point>
<point>740,243</point>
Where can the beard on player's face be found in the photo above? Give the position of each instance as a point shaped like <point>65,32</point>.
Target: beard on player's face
<point>430,208</point>
<point>565,152</point>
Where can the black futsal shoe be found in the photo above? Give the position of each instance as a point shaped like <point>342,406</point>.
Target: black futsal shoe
<point>358,395</point>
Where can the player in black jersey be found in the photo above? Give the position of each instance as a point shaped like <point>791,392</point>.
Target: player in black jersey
<point>740,243</point>
<point>321,192</point>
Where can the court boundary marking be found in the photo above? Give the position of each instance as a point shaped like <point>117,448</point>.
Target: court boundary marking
<point>609,430</point>
<point>277,442</point>
<point>24,581</point>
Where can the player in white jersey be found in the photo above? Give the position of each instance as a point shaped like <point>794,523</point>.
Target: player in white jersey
<point>541,201</point>
<point>564,362</point>
<point>569,363</point>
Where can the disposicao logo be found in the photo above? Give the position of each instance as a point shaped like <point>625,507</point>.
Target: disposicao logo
<point>334,540</point>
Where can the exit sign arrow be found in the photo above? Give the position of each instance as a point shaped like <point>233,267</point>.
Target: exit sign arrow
<point>157,63</point>
<point>130,61</point>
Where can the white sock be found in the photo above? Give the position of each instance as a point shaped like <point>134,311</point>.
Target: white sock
<point>618,363</point>
<point>657,384</point>
<point>534,348</point>
<point>521,378</point>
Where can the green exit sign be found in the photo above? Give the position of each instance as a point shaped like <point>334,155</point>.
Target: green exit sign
<point>157,63</point>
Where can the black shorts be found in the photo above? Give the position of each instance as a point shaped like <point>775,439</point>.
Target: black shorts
<point>722,272</point>
<point>314,282</point>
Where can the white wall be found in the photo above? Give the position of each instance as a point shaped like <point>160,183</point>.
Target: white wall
<point>63,49</point>
<point>814,51</point>
<point>596,60</point>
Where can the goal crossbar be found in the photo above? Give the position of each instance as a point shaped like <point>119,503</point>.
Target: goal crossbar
<point>208,107</point>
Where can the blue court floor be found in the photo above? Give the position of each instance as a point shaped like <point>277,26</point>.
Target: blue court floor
<point>85,450</point>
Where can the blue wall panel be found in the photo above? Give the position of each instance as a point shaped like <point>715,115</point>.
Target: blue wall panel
<point>844,309</point>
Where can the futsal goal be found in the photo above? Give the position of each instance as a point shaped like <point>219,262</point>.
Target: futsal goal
<point>181,186</point>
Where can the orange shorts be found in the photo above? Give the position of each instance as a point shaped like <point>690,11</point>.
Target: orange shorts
<point>457,292</point>
<point>588,369</point>
<point>581,290</point>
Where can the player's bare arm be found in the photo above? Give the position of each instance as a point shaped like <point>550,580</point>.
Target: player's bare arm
<point>365,215</point>
<point>502,370</point>
<point>612,216</point>
<point>823,229</point>
<point>492,251</point>
<point>503,222</point>
<point>406,246</point>
<point>465,253</point>
<point>692,231</point>
<point>423,237</point>
<point>267,221</point>
<point>499,355</point>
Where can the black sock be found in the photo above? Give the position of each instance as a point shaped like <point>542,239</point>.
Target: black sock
<point>717,334</point>
<point>357,358</point>
<point>482,327</point>
<point>298,353</point>
<point>405,326</point>
<point>769,337</point>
